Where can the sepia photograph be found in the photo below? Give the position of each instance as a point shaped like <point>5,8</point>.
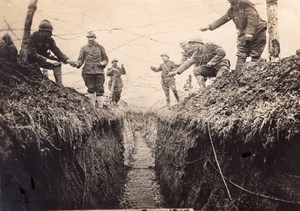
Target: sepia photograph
<point>150,105</point>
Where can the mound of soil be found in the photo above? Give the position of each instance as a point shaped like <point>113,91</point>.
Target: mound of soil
<point>252,120</point>
<point>56,151</point>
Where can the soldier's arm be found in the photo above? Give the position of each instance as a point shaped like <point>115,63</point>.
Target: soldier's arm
<point>221,21</point>
<point>220,53</point>
<point>109,72</point>
<point>57,52</point>
<point>104,57</point>
<point>81,57</point>
<point>156,69</point>
<point>186,65</point>
<point>123,71</point>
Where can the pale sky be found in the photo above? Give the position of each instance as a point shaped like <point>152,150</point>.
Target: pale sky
<point>136,32</point>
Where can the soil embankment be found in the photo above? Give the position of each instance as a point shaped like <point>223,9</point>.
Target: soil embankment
<point>56,151</point>
<point>252,121</point>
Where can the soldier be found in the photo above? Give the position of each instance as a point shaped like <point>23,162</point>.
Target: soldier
<point>94,58</point>
<point>10,48</point>
<point>188,84</point>
<point>208,59</point>
<point>40,43</point>
<point>167,81</point>
<point>115,84</point>
<point>251,29</point>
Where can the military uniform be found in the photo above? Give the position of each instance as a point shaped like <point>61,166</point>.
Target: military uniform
<point>38,52</point>
<point>202,54</point>
<point>9,48</point>
<point>115,84</point>
<point>247,21</point>
<point>91,55</point>
<point>167,82</point>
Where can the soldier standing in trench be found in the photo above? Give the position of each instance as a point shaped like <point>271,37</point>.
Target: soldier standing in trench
<point>250,27</point>
<point>208,59</point>
<point>94,58</point>
<point>40,43</point>
<point>115,84</point>
<point>167,81</point>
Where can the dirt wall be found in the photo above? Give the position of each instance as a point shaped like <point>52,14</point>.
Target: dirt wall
<point>56,151</point>
<point>251,119</point>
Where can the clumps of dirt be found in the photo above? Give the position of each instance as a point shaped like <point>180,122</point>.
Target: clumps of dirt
<point>253,119</point>
<point>56,151</point>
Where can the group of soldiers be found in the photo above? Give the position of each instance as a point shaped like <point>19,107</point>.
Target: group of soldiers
<point>208,58</point>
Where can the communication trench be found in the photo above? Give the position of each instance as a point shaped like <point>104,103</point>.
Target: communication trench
<point>232,146</point>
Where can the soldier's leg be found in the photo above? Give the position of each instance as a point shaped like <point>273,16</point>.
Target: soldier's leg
<point>172,85</point>
<point>242,52</point>
<point>118,95</point>
<point>57,74</point>
<point>258,46</point>
<point>166,90</point>
<point>201,73</point>
<point>89,83</point>
<point>99,88</point>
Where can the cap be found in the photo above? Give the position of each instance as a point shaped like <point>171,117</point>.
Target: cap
<point>196,39</point>
<point>164,54</point>
<point>182,43</point>
<point>114,60</point>
<point>91,34</point>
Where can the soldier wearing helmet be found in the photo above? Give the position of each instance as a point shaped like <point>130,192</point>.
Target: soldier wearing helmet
<point>167,81</point>
<point>8,50</point>
<point>39,47</point>
<point>208,59</point>
<point>94,59</point>
<point>250,27</point>
<point>115,84</point>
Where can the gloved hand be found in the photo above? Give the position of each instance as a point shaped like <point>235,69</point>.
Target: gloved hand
<point>203,29</point>
<point>248,37</point>
<point>173,73</point>
<point>209,65</point>
<point>53,62</point>
<point>153,68</point>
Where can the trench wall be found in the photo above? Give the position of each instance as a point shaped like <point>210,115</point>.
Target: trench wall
<point>56,151</point>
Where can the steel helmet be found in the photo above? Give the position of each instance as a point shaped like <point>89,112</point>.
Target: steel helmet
<point>91,34</point>
<point>183,43</point>
<point>45,25</point>
<point>196,39</point>
<point>164,54</point>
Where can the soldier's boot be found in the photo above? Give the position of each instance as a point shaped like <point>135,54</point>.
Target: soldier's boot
<point>99,101</point>
<point>92,99</point>
<point>57,74</point>
<point>201,81</point>
<point>240,63</point>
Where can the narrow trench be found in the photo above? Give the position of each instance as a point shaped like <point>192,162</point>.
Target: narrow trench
<point>141,189</point>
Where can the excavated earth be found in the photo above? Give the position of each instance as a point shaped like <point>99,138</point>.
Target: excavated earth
<point>252,121</point>
<point>56,151</point>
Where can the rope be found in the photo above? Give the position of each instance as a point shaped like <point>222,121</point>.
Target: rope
<point>218,164</point>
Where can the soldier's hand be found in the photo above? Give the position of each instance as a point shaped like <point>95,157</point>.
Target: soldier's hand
<point>203,29</point>
<point>53,62</point>
<point>173,73</point>
<point>248,37</point>
<point>152,68</point>
<point>209,65</point>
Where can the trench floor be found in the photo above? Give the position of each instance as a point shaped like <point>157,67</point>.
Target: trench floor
<point>141,190</point>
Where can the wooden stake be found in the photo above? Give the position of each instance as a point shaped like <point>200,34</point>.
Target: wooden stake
<point>274,45</point>
<point>27,28</point>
